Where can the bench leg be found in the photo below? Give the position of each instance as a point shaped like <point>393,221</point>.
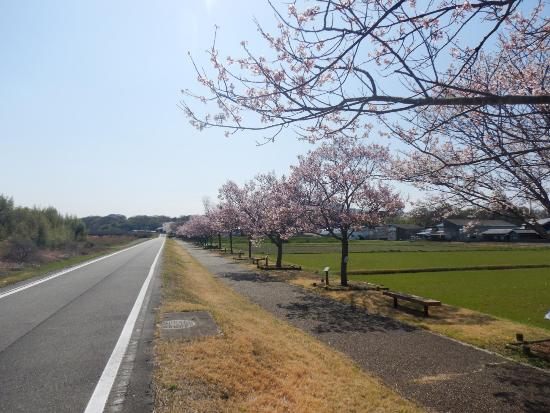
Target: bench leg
<point>394,302</point>
<point>426,311</point>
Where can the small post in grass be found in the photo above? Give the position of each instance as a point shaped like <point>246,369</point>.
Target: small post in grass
<point>266,261</point>
<point>326,274</point>
<point>519,337</point>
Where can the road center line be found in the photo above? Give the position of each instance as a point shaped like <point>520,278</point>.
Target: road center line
<point>99,398</point>
<point>65,271</point>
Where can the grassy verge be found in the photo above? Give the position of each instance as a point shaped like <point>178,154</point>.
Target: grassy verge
<point>13,277</point>
<point>259,363</point>
<point>482,330</point>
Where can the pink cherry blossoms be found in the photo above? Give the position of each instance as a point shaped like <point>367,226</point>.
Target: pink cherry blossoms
<point>339,184</point>
<point>337,187</point>
<point>333,61</point>
<point>464,85</point>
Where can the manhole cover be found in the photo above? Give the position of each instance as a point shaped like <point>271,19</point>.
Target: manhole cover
<point>187,325</point>
<point>177,324</point>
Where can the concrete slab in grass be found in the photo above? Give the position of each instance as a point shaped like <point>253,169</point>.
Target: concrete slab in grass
<point>188,325</point>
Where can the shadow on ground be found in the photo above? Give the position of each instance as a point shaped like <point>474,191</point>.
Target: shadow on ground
<point>533,390</point>
<point>334,317</point>
<point>250,277</point>
<point>330,316</point>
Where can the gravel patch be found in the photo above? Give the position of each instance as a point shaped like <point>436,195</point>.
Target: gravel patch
<point>439,373</point>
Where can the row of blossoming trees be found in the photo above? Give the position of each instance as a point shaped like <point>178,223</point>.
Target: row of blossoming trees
<point>461,87</point>
<point>339,187</point>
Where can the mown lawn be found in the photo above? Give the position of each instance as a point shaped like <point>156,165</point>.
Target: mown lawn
<point>400,260</point>
<point>518,295</point>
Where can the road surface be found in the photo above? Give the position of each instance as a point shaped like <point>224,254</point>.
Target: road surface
<point>63,340</point>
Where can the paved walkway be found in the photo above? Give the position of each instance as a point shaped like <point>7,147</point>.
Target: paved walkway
<point>439,373</point>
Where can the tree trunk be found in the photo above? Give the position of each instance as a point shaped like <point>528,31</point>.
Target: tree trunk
<point>219,240</point>
<point>249,247</point>
<point>279,254</point>
<point>344,262</point>
<point>231,242</point>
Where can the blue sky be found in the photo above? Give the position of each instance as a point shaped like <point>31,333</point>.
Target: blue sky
<point>89,89</point>
<point>88,105</point>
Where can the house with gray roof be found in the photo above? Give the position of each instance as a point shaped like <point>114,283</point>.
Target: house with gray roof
<point>460,229</point>
<point>401,232</point>
<point>511,235</point>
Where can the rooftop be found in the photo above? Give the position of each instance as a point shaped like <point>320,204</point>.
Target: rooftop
<point>407,226</point>
<point>480,222</point>
<point>497,231</point>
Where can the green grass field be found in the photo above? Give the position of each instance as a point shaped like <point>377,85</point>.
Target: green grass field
<point>521,295</point>
<point>402,260</point>
<point>316,245</point>
<point>518,295</point>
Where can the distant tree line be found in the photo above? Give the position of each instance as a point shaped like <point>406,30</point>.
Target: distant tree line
<point>23,230</point>
<point>116,224</point>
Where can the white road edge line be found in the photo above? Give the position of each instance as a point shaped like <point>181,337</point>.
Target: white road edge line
<point>99,398</point>
<point>62,272</point>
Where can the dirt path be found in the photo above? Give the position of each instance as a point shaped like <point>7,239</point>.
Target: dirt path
<point>439,373</point>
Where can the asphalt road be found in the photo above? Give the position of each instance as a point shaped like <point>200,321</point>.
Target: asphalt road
<point>57,337</point>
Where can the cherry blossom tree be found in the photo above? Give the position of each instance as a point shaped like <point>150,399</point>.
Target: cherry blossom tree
<point>338,184</point>
<point>198,228</point>
<point>464,84</point>
<point>334,61</point>
<point>268,209</point>
<point>211,214</point>
<point>494,158</point>
<point>238,209</point>
<point>225,218</point>
<point>282,216</point>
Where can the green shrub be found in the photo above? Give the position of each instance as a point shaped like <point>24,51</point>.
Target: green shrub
<point>20,249</point>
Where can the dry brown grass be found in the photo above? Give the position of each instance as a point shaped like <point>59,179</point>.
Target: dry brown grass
<point>465,325</point>
<point>258,363</point>
<point>53,260</point>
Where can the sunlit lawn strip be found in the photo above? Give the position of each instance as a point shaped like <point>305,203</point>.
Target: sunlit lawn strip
<point>331,245</point>
<point>518,295</point>
<point>259,363</point>
<point>405,260</point>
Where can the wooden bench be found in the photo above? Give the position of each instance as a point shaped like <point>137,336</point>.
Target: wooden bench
<point>256,260</point>
<point>239,255</point>
<point>282,267</point>
<point>426,302</point>
<point>264,259</point>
